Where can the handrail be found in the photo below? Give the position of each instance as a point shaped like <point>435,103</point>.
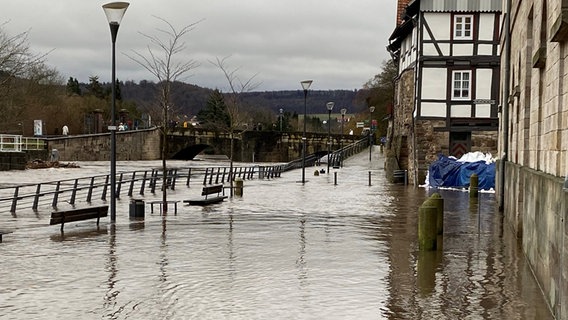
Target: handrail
<point>97,187</point>
<point>19,143</point>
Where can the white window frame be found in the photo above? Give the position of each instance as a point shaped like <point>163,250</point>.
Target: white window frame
<point>460,27</point>
<point>459,83</point>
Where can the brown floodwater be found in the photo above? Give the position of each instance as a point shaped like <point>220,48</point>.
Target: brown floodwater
<point>285,250</point>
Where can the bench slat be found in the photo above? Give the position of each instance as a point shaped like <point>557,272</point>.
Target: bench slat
<point>212,189</point>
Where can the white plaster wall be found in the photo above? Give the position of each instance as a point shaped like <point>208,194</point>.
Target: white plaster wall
<point>439,23</point>
<point>433,109</point>
<point>434,82</point>
<point>486,23</point>
<point>482,111</point>
<point>463,49</point>
<point>483,83</point>
<point>460,111</point>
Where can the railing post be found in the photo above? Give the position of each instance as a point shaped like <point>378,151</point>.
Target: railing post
<point>119,186</point>
<point>15,200</point>
<point>188,177</point>
<point>74,192</point>
<point>174,175</point>
<point>90,192</point>
<point>205,176</point>
<point>143,182</point>
<point>105,188</point>
<point>36,197</point>
<point>131,189</point>
<point>211,175</point>
<point>56,195</point>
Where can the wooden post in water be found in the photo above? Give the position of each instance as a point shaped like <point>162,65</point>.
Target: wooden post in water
<point>437,201</point>
<point>427,225</point>
<point>239,187</point>
<point>473,186</point>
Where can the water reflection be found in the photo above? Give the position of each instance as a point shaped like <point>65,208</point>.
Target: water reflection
<point>283,251</point>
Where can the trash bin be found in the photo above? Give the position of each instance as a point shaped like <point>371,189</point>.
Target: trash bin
<point>54,155</point>
<point>137,208</point>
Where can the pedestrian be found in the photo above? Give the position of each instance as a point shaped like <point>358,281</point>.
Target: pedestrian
<point>65,130</point>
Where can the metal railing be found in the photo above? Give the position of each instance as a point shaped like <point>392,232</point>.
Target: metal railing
<point>133,183</point>
<point>19,143</point>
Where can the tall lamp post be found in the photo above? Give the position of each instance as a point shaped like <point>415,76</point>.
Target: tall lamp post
<point>305,85</point>
<point>343,112</point>
<point>281,111</point>
<point>114,12</point>
<point>329,107</point>
<point>371,109</point>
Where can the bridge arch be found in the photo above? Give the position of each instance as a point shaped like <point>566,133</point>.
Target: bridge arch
<point>189,152</point>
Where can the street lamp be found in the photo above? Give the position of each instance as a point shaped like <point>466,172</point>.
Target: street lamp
<point>305,85</point>
<point>114,12</point>
<point>281,111</point>
<point>329,107</point>
<point>371,109</point>
<point>343,112</point>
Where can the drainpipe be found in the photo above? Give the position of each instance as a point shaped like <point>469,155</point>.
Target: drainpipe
<point>505,106</point>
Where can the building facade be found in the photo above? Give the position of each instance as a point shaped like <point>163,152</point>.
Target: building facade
<point>447,90</point>
<point>532,183</point>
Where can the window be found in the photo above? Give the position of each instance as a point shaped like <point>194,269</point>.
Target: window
<point>462,27</point>
<point>461,85</point>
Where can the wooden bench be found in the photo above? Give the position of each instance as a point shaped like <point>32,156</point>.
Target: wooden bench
<point>160,202</point>
<point>208,190</point>
<point>64,216</point>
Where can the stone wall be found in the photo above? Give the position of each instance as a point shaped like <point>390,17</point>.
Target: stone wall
<point>399,142</point>
<point>130,145</point>
<point>542,215</point>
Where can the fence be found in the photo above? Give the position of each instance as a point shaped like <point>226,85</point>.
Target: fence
<point>87,189</point>
<point>18,143</point>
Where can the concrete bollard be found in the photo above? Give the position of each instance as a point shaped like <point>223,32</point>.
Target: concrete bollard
<point>427,225</point>
<point>239,187</point>
<point>473,186</point>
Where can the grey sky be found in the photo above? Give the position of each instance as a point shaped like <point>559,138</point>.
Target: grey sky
<point>339,44</point>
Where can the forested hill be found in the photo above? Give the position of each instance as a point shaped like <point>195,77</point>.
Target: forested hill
<point>190,99</point>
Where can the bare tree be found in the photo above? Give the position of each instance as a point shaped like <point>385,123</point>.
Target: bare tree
<point>160,61</point>
<point>18,64</point>
<point>238,115</point>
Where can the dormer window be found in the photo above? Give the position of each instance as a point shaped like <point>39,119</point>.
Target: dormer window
<point>463,26</point>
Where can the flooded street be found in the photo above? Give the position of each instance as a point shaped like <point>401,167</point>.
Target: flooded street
<point>285,250</point>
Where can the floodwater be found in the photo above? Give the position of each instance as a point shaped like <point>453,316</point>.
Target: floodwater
<point>285,250</point>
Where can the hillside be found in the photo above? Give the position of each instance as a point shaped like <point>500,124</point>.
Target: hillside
<point>191,98</point>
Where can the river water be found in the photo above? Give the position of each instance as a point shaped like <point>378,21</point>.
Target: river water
<point>285,250</point>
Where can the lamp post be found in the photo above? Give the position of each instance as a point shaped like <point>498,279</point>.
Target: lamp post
<point>343,112</point>
<point>281,111</point>
<point>371,109</point>
<point>114,12</point>
<point>329,107</point>
<point>305,85</point>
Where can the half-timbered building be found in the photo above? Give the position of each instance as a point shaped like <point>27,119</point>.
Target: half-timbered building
<point>446,99</point>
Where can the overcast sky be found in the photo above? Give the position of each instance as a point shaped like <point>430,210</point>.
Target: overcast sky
<point>339,44</point>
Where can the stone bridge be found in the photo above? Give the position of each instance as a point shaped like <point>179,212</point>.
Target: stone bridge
<point>185,144</point>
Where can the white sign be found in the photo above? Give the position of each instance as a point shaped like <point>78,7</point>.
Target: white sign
<point>38,128</point>
<point>360,124</point>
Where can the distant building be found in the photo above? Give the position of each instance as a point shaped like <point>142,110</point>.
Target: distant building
<point>447,89</point>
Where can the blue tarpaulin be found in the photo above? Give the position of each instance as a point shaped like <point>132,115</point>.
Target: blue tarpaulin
<point>448,172</point>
